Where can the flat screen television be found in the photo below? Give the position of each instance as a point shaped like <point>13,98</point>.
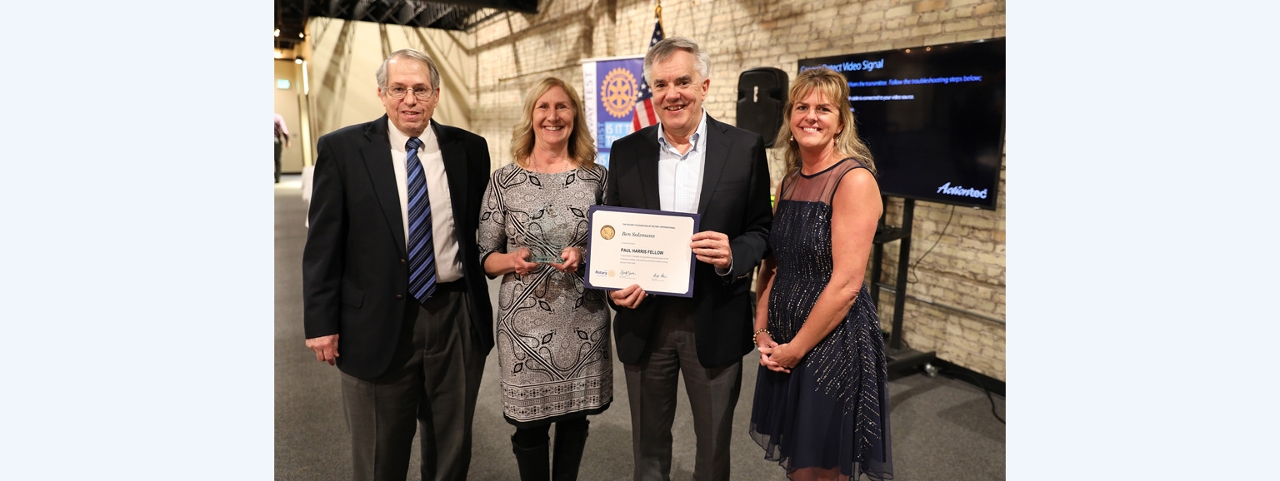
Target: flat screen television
<point>932,116</point>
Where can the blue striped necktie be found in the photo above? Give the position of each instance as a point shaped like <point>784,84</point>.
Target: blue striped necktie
<point>422,252</point>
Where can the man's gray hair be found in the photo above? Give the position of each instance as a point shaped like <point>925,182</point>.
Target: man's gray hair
<point>413,54</point>
<point>662,50</point>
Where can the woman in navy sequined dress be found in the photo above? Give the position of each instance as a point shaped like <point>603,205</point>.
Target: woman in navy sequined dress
<point>821,406</point>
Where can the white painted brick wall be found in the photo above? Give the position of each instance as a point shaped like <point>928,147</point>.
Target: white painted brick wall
<point>967,267</point>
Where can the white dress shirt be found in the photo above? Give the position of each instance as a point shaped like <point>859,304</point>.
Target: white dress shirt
<point>443,237</point>
<point>680,175</point>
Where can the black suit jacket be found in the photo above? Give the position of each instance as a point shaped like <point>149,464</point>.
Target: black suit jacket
<point>355,275</point>
<point>734,201</point>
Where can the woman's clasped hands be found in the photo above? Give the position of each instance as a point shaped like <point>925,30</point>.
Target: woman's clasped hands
<point>778,357</point>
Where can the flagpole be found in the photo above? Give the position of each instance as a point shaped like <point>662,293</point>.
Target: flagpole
<point>657,12</point>
<point>643,115</point>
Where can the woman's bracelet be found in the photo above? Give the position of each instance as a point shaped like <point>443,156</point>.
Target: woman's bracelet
<point>755,336</point>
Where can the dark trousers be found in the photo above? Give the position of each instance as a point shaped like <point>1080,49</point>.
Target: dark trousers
<point>652,390</point>
<point>279,148</point>
<point>432,384</point>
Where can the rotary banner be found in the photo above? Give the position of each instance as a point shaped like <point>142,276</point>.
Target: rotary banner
<point>609,91</point>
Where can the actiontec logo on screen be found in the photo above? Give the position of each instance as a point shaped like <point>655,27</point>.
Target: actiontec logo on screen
<point>962,192</point>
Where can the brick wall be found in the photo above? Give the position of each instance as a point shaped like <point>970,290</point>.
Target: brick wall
<point>955,305</point>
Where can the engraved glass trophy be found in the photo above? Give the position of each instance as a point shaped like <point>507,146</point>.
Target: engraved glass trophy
<point>552,231</point>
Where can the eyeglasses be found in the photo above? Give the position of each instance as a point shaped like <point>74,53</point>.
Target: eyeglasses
<point>400,92</point>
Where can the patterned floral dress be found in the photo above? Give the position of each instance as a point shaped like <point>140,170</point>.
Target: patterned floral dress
<point>831,412</point>
<point>552,334</point>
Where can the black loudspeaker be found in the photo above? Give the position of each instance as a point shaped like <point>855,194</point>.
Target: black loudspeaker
<point>761,94</point>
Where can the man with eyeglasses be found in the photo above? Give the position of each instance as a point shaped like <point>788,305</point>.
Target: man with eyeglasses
<point>393,290</point>
<point>689,162</point>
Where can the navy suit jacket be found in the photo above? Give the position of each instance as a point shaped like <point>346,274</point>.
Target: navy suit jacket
<point>735,202</point>
<point>355,275</point>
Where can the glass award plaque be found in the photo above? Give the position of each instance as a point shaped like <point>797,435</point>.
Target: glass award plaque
<point>550,234</point>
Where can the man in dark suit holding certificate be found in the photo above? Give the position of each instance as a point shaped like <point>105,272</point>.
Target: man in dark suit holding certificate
<point>393,290</point>
<point>690,163</point>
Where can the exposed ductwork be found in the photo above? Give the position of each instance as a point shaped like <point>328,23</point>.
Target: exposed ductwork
<point>291,15</point>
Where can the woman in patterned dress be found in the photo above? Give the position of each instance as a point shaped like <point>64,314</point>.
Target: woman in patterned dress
<point>821,406</point>
<point>552,334</point>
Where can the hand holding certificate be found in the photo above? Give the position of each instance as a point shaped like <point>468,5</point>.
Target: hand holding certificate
<point>649,248</point>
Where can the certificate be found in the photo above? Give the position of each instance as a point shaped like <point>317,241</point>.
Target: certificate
<point>639,246</point>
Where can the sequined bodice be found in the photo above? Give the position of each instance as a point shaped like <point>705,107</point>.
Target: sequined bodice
<point>801,243</point>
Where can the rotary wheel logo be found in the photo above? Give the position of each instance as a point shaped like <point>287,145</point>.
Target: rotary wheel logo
<point>619,92</point>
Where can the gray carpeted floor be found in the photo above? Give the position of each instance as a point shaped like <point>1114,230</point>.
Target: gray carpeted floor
<point>942,428</point>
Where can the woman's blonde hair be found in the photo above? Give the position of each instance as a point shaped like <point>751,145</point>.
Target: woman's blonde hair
<point>835,88</point>
<point>582,148</point>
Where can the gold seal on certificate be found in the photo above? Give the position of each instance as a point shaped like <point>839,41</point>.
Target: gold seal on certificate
<point>639,246</point>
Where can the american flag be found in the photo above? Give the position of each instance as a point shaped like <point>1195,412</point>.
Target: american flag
<point>644,115</point>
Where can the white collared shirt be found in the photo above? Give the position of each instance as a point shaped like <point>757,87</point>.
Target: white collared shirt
<point>680,175</point>
<point>443,236</point>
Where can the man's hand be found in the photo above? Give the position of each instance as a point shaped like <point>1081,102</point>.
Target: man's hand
<point>713,248</point>
<point>326,348</point>
<point>629,297</point>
